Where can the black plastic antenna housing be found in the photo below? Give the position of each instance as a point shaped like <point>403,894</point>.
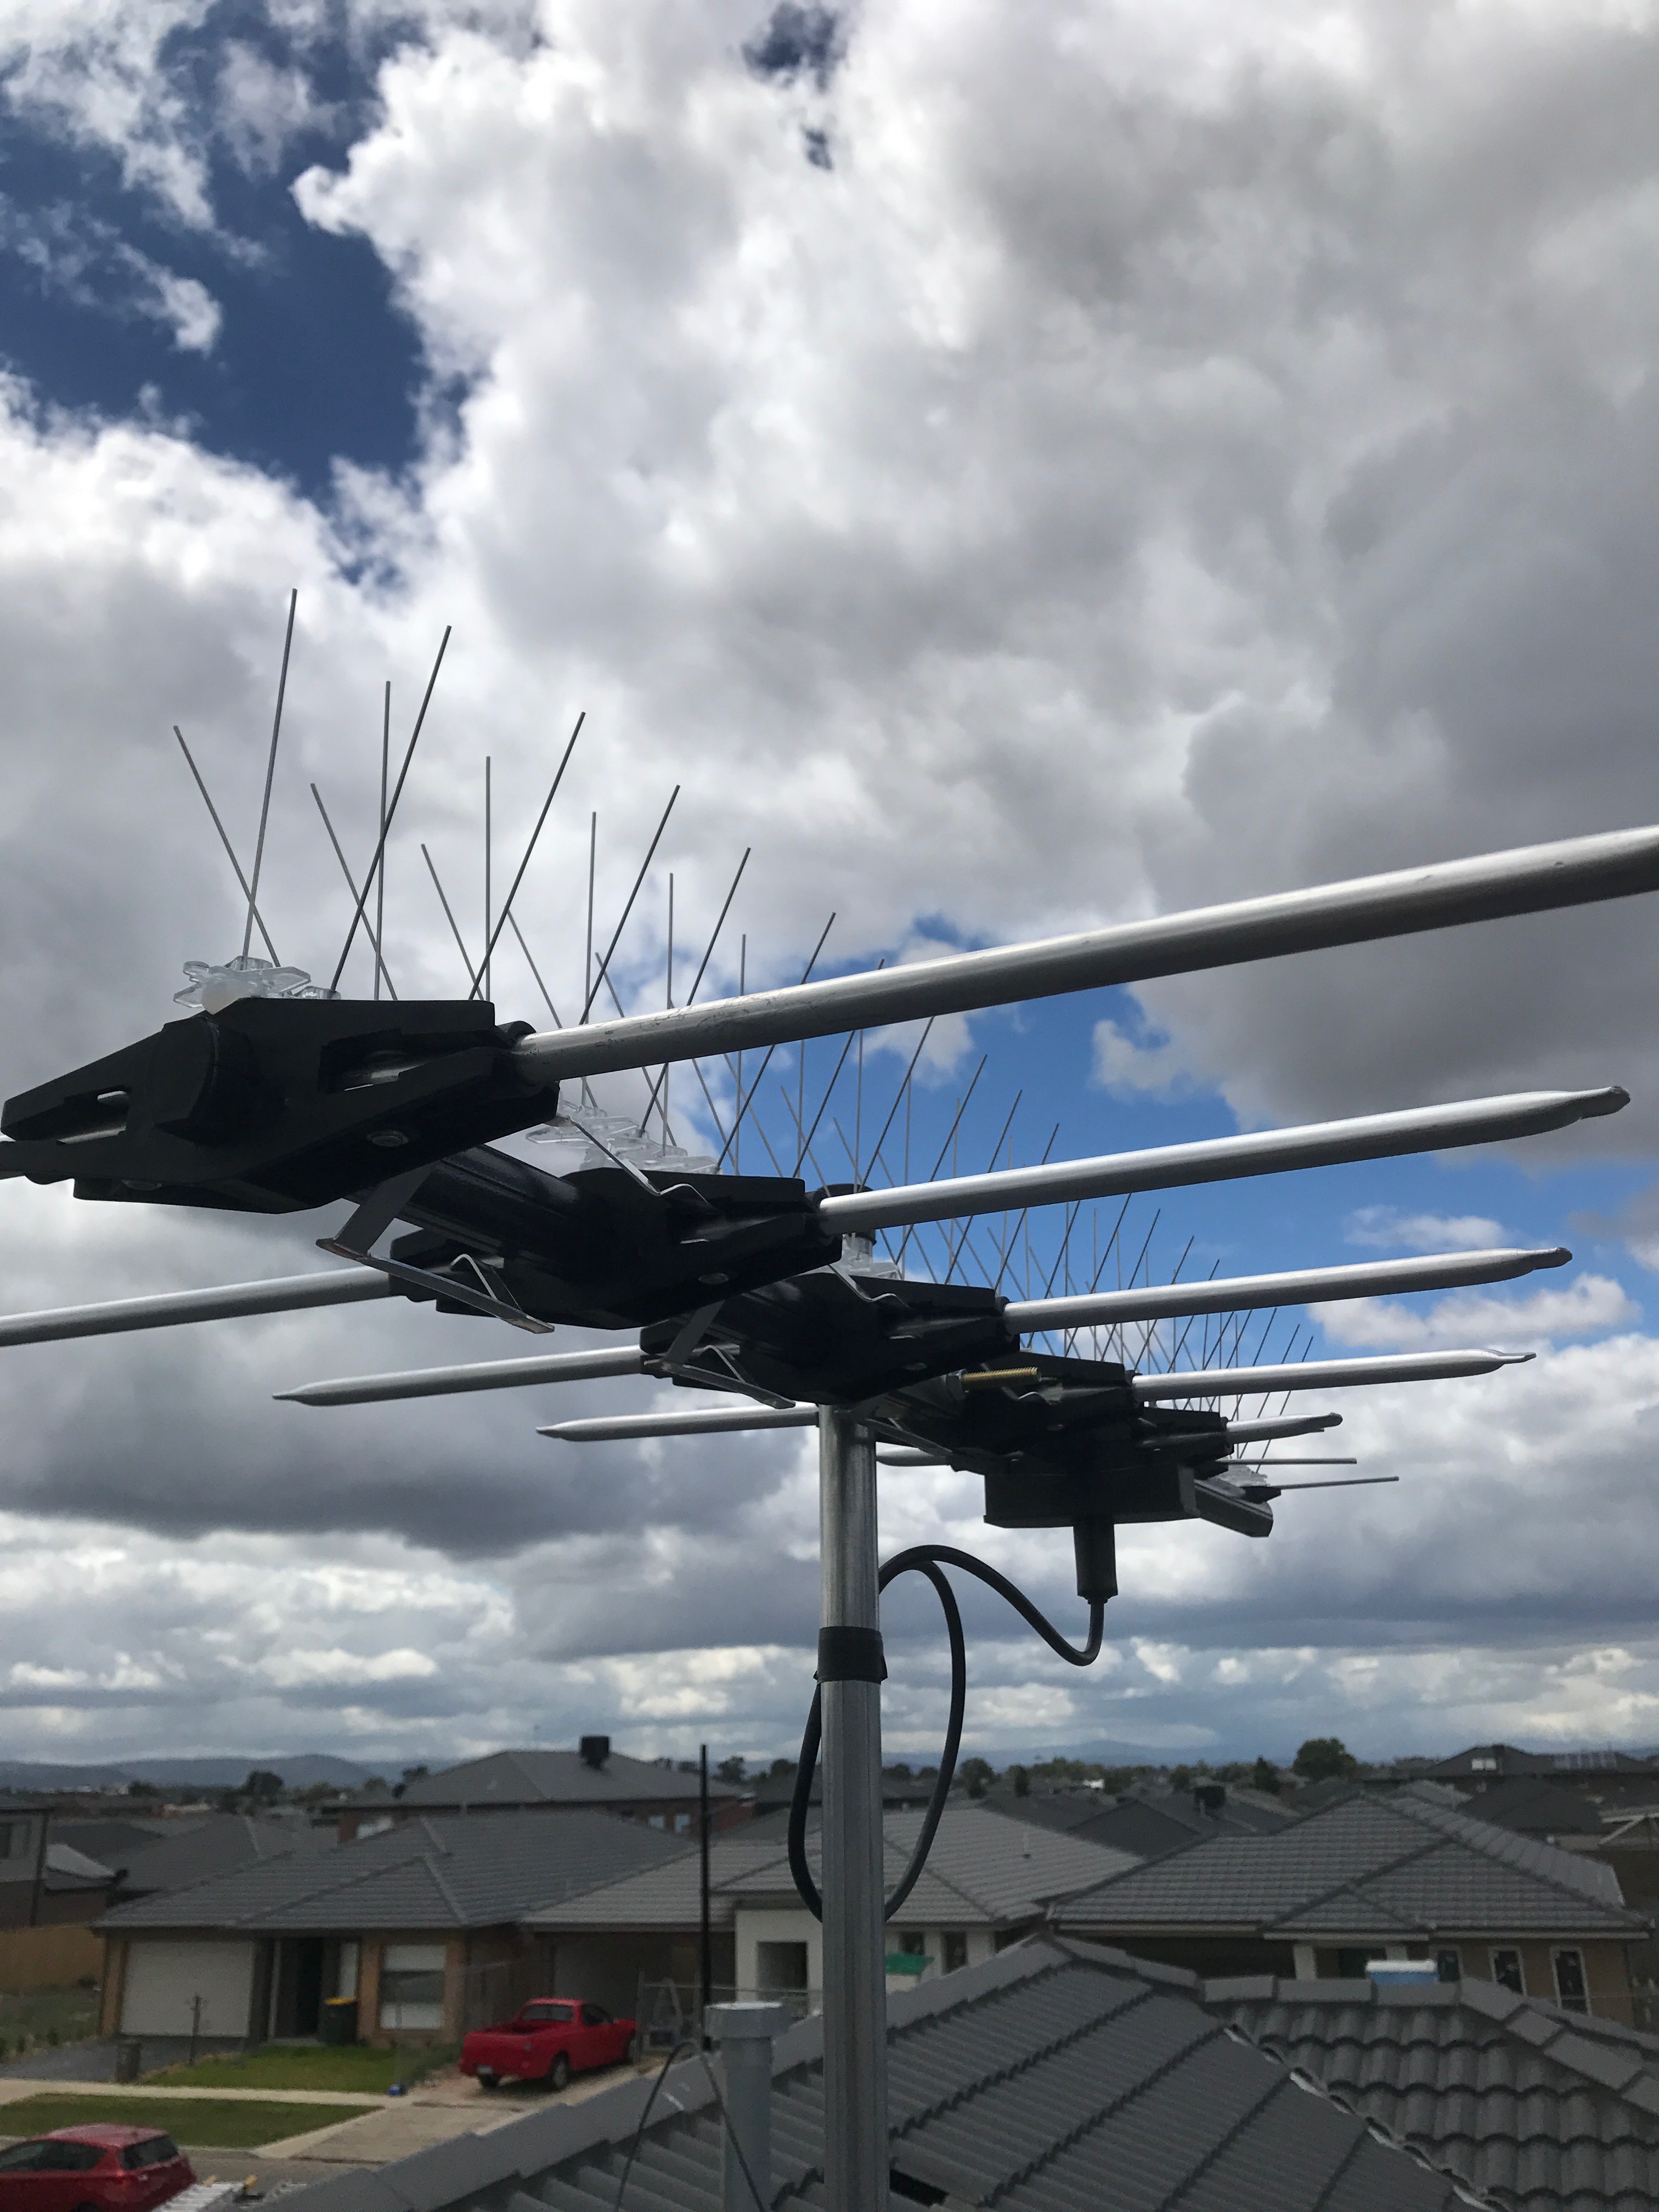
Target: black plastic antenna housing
<point>274,1104</point>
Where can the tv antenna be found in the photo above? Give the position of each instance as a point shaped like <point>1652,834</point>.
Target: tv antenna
<point>770,1296</point>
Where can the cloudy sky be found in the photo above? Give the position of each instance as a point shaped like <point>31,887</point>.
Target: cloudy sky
<point>1011,468</point>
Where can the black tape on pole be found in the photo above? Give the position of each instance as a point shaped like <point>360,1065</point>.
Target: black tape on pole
<point>851,1655</point>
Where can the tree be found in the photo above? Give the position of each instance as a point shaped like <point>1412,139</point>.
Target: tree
<point>781,1767</point>
<point>1266,1776</point>
<point>1022,1781</point>
<point>978,1774</point>
<point>1325,1759</point>
<point>731,1770</point>
<point>1181,1777</point>
<point>263,1786</point>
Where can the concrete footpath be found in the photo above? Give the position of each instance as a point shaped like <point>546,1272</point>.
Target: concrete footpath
<point>372,2130</point>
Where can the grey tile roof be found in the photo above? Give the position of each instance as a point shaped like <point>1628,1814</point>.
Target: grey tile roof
<point>983,1871</point>
<point>219,1844</point>
<point>1051,2078</point>
<point>1544,2111</point>
<point>1363,1866</point>
<point>557,1778</point>
<point>452,1870</point>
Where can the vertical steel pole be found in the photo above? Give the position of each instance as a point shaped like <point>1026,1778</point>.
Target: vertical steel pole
<point>854,1978</point>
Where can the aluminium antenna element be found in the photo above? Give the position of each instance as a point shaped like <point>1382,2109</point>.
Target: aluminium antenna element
<point>1324,1374</point>
<point>1574,872</point>
<point>1306,1286</point>
<point>341,1286</point>
<point>1223,1159</point>
<point>486,1375</point>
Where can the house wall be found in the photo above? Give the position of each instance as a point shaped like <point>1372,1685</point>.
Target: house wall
<point>754,1926</point>
<point>1607,1967</point>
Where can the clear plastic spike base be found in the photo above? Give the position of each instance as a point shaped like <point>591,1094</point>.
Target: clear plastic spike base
<point>608,1140</point>
<point>212,985</point>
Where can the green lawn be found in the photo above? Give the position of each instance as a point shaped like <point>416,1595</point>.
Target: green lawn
<point>294,2066</point>
<point>231,2124</point>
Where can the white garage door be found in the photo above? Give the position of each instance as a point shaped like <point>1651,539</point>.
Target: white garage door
<point>164,1979</point>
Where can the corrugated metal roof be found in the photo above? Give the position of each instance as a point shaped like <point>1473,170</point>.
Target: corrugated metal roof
<point>1545,2110</point>
<point>983,1871</point>
<point>1051,2078</point>
<point>442,1871</point>
<point>1404,1864</point>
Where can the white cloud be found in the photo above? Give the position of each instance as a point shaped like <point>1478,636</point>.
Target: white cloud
<point>1585,1307</point>
<point>1169,456</point>
<point>1385,1227</point>
<point>1129,1069</point>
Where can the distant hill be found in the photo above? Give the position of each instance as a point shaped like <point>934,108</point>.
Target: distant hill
<point>299,1771</point>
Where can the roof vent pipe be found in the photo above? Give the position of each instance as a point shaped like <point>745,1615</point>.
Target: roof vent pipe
<point>745,2033</point>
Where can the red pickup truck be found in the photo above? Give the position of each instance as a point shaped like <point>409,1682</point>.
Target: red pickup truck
<point>549,2041</point>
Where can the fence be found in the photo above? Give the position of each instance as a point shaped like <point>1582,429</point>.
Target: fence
<point>493,1992</point>
<point>666,2013</point>
<point>49,1957</point>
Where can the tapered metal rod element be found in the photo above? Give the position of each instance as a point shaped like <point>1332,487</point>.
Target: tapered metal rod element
<point>341,1286</point>
<point>1323,1375</point>
<point>379,860</point>
<point>1294,1424</point>
<point>855,1945</point>
<point>373,935</point>
<point>379,873</point>
<point>230,850</point>
<point>604,1429</point>
<point>1576,872</point>
<point>270,771</point>
<point>488,1375</point>
<point>1202,1382</point>
<point>1224,1159</point>
<point>505,915</point>
<point>1304,1285</point>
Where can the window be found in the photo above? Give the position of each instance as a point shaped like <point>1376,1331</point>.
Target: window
<point>780,1967</point>
<point>8,1830</point>
<point>914,1943</point>
<point>70,2157</point>
<point>1506,1971</point>
<point>413,1985</point>
<point>21,2158</point>
<point>1570,1993</point>
<point>1483,1765</point>
<point>345,1980</point>
<point>956,1949</point>
<point>546,2015</point>
<point>654,1820</point>
<point>681,1822</point>
<point>1448,1966</point>
<point>1351,1965</point>
<point>595,2016</point>
<point>156,2150</point>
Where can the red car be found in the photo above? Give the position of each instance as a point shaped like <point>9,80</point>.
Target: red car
<point>551,2039</point>
<point>91,2169</point>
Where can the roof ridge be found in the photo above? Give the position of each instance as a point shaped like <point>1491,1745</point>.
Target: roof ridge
<point>443,1889</point>
<point>1510,1858</point>
<point>1353,1881</point>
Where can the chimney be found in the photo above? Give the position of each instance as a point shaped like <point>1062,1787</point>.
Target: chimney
<point>595,1750</point>
<point>744,2032</point>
